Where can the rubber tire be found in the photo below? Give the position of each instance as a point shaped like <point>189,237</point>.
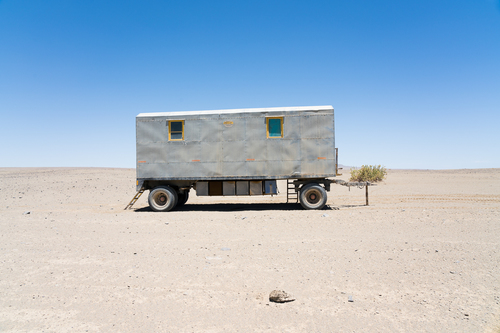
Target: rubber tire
<point>312,196</point>
<point>155,198</point>
<point>182,198</point>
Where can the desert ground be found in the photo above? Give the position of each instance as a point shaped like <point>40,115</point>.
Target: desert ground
<point>424,256</point>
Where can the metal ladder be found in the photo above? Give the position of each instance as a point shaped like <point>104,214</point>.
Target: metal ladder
<point>291,194</point>
<point>135,198</point>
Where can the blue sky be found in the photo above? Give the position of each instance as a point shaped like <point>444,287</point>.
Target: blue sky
<point>414,84</point>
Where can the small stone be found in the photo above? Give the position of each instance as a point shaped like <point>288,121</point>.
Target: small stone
<point>226,249</point>
<point>26,213</point>
<point>324,215</point>
<point>349,298</point>
<point>280,296</point>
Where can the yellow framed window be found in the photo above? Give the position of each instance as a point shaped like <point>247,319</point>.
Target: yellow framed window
<point>176,130</point>
<point>274,127</point>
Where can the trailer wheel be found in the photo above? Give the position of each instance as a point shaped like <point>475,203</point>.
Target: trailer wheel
<point>312,196</point>
<point>182,198</point>
<point>162,199</point>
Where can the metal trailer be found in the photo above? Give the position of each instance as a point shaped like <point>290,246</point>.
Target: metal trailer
<point>236,152</point>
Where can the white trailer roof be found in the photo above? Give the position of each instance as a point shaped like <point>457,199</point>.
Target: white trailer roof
<point>228,111</point>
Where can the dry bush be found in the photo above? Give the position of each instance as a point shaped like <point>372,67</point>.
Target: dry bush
<point>368,173</point>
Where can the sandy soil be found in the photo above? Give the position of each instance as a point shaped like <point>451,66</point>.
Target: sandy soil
<point>423,257</point>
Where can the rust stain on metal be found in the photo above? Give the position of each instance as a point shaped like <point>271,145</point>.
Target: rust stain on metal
<point>195,160</point>
<point>141,161</point>
<point>250,159</point>
<point>321,158</point>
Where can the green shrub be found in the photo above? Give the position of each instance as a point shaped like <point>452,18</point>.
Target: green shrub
<point>368,173</point>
